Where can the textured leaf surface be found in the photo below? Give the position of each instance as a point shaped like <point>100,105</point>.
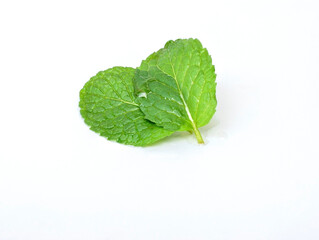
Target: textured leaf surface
<point>109,107</point>
<point>176,86</point>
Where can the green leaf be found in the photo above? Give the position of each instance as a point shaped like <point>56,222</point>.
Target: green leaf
<point>176,86</point>
<point>109,107</point>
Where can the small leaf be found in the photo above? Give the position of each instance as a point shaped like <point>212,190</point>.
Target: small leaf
<point>178,85</point>
<point>109,107</point>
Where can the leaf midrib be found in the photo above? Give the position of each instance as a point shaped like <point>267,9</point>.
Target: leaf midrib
<point>115,99</point>
<point>182,97</point>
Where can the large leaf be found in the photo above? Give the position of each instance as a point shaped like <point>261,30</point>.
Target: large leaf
<point>109,107</point>
<point>176,86</point>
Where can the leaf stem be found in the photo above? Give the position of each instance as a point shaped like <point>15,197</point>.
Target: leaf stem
<point>198,135</point>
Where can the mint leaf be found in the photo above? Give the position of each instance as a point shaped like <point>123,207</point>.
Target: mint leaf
<point>109,107</point>
<point>176,86</point>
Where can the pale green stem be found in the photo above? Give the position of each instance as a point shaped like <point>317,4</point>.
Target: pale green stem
<point>198,135</point>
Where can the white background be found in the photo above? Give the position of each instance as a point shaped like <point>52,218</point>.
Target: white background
<point>257,176</point>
